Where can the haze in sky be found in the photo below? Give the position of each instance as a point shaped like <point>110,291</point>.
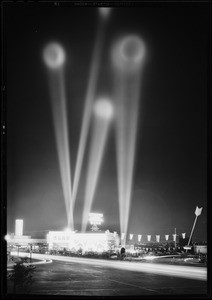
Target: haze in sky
<point>170,167</point>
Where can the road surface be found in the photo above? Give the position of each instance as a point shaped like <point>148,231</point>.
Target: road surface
<point>95,277</point>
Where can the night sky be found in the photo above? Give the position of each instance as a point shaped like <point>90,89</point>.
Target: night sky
<point>170,174</point>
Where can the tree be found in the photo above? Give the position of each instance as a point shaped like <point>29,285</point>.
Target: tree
<point>21,276</point>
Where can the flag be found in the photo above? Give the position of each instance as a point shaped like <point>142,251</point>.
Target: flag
<point>183,235</point>
<point>174,237</point>
<point>149,238</point>
<point>131,236</point>
<point>198,211</point>
<point>167,237</point>
<point>122,236</point>
<point>139,237</point>
<point>158,238</point>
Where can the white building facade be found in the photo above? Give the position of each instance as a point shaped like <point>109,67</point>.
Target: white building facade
<point>91,241</point>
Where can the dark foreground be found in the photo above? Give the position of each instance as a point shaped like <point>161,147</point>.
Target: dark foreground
<point>70,278</point>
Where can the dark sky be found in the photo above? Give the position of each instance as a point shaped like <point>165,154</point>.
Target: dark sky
<point>170,175</point>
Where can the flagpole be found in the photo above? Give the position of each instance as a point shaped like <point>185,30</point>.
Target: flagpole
<point>192,230</point>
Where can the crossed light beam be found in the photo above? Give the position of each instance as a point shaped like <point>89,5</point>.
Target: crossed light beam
<point>128,55</point>
<point>103,110</point>
<point>54,57</point>
<point>89,99</point>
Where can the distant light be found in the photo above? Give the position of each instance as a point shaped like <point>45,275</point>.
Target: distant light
<point>151,257</point>
<point>95,219</point>
<point>128,53</point>
<point>68,230</point>
<point>104,11</point>
<point>54,55</point>
<point>7,237</point>
<point>103,108</point>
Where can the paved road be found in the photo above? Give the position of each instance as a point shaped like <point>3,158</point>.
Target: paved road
<point>191,272</point>
<point>86,277</point>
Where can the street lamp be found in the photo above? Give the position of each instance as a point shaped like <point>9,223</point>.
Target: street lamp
<point>30,252</point>
<point>17,245</point>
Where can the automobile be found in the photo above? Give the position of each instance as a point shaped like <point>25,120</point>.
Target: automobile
<point>113,256</point>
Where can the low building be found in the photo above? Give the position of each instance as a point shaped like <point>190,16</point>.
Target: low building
<point>22,240</point>
<point>89,241</point>
<point>200,249</point>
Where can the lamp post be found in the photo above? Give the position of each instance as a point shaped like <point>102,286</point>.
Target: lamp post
<point>30,252</point>
<point>17,245</point>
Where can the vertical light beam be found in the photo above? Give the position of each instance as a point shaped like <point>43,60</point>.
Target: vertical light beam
<point>127,58</point>
<point>91,89</point>
<point>54,58</point>
<point>103,113</point>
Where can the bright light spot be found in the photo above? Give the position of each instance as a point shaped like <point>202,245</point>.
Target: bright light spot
<point>54,55</point>
<point>128,53</point>
<point>104,11</point>
<point>68,230</point>
<point>103,109</point>
<point>151,257</point>
<point>7,237</point>
<point>95,219</point>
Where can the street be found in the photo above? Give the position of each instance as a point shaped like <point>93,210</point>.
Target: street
<point>86,277</point>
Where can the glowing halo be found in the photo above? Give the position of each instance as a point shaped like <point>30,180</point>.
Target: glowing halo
<point>104,11</point>
<point>128,53</point>
<point>103,108</point>
<point>54,55</point>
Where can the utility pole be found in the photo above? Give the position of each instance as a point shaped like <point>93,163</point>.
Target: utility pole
<point>175,234</point>
<point>30,253</point>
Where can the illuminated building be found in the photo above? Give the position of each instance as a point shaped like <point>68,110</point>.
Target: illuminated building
<point>90,241</point>
<point>200,249</point>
